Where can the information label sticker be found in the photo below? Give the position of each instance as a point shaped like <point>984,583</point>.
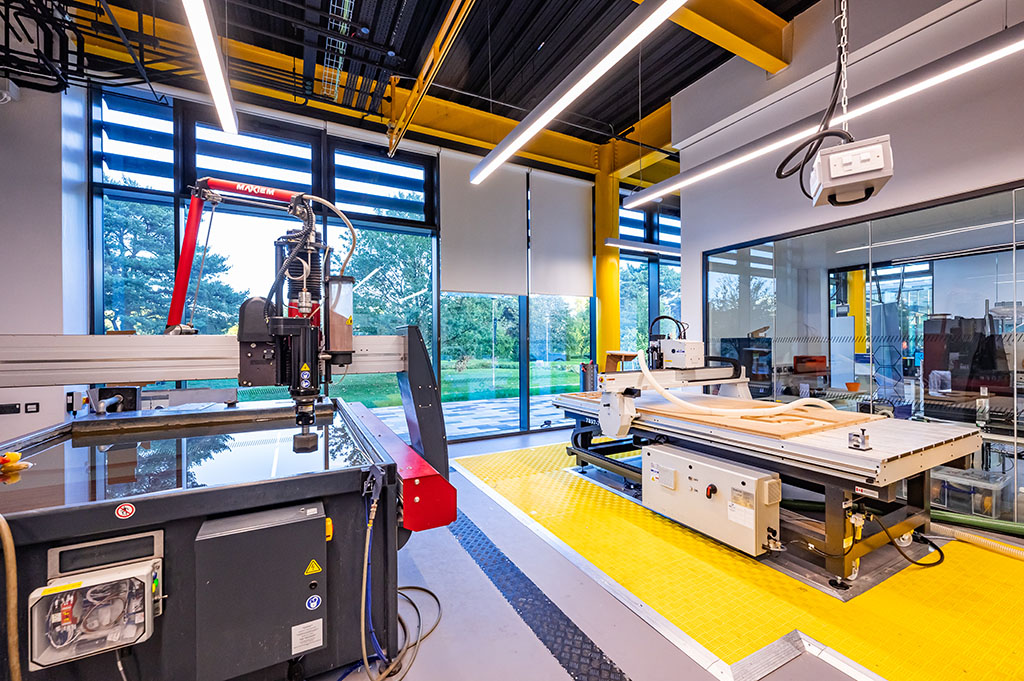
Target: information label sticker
<point>307,636</point>
<point>741,507</point>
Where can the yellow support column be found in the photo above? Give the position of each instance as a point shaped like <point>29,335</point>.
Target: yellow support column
<point>606,212</point>
<point>857,295</point>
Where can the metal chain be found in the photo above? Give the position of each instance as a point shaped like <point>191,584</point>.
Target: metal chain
<point>843,46</point>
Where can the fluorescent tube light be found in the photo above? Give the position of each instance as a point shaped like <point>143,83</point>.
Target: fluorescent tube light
<point>642,247</point>
<point>641,23</point>
<point>201,24</point>
<point>684,180</point>
<point>922,237</point>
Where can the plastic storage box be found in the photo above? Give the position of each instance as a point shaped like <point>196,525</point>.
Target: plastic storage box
<point>973,491</point>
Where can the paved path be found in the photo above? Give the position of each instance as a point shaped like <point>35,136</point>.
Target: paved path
<point>473,418</point>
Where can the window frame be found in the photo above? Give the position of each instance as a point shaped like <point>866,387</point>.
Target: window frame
<point>187,114</point>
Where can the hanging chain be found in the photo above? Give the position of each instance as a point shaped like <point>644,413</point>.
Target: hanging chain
<point>843,47</point>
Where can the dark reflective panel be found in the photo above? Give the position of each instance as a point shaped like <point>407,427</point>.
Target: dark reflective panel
<point>64,474</point>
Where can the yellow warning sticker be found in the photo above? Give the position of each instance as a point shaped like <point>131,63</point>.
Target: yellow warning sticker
<point>313,568</point>
<point>58,589</point>
<point>305,367</point>
<point>349,321</point>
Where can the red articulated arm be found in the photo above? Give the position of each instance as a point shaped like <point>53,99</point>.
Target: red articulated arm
<point>200,193</point>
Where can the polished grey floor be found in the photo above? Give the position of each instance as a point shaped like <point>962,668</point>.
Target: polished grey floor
<point>482,637</point>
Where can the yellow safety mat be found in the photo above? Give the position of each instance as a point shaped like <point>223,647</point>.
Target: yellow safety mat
<point>957,621</point>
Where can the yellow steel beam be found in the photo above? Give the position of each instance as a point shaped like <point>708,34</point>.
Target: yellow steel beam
<point>606,225</point>
<point>435,117</point>
<point>450,27</point>
<point>654,130</point>
<point>743,27</point>
<point>662,170</point>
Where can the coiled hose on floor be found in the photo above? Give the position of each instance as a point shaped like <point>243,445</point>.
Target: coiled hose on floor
<point>734,412</point>
<point>979,541</point>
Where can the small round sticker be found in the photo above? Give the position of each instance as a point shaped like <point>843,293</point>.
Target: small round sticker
<point>313,602</point>
<point>125,511</point>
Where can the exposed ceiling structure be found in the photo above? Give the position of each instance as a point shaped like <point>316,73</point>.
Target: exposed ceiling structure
<point>516,51</point>
<point>344,53</point>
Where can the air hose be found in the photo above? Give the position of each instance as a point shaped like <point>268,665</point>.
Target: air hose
<point>734,412</point>
<point>979,541</point>
<point>944,530</point>
<point>11,582</point>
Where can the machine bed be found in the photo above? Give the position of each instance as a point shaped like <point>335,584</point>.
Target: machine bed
<point>899,448</point>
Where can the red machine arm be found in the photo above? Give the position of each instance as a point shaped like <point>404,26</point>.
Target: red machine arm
<point>195,212</point>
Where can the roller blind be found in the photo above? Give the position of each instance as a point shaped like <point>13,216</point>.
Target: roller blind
<point>483,228</point>
<point>561,235</point>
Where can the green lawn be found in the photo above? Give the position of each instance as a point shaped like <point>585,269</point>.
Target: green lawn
<point>475,381</point>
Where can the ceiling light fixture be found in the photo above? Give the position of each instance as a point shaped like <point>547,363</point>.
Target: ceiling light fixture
<point>641,23</point>
<point>690,178</point>
<point>922,237</point>
<point>201,24</point>
<point>642,247</point>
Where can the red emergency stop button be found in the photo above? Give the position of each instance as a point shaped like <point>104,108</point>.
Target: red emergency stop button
<point>710,491</point>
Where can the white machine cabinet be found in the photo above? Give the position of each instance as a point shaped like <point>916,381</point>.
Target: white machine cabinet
<point>735,504</point>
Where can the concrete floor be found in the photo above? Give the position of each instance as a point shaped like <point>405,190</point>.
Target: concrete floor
<point>482,637</point>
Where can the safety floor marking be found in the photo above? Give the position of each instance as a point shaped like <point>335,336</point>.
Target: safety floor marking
<point>955,621</point>
<point>574,650</point>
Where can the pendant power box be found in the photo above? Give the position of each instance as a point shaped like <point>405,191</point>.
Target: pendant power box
<point>735,504</point>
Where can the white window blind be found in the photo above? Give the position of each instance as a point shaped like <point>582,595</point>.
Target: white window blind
<point>483,228</point>
<point>561,235</point>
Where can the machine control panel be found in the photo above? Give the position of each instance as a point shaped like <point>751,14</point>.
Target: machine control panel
<point>735,504</point>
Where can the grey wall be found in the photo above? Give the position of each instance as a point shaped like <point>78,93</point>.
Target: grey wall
<point>44,258</point>
<point>960,136</point>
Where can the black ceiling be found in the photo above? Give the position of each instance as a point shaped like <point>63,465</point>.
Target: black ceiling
<point>508,56</point>
<point>517,51</point>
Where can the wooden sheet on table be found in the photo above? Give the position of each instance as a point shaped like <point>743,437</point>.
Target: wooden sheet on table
<point>800,421</point>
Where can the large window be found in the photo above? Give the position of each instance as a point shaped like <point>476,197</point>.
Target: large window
<point>914,315</point>
<point>480,363</point>
<point>559,343</point>
<point>499,358</point>
<point>649,281</point>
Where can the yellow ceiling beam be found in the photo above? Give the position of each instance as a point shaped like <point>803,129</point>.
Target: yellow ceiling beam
<point>654,130</point>
<point>743,27</point>
<point>450,27</point>
<point>435,117</point>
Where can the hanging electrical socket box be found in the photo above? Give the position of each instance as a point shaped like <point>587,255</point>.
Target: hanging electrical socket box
<point>851,173</point>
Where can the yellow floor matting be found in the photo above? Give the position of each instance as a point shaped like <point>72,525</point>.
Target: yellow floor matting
<point>960,620</point>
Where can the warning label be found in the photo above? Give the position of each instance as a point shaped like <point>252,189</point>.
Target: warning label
<point>313,568</point>
<point>306,637</point>
<point>305,367</point>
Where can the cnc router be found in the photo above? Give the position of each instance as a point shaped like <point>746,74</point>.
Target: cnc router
<point>221,540</point>
<point>717,463</point>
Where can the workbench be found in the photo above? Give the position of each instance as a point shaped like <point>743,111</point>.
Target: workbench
<point>821,461</point>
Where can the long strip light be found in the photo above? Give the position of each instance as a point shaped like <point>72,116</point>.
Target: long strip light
<point>641,23</point>
<point>641,247</point>
<point>922,237</point>
<point>201,25</point>
<point>684,180</point>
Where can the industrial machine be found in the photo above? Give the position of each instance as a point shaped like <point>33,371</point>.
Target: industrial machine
<point>718,462</point>
<point>251,541</point>
<point>293,341</point>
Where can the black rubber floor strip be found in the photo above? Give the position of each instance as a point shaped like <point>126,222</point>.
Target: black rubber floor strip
<point>573,649</point>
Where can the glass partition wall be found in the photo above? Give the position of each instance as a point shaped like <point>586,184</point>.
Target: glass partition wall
<point>914,315</point>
